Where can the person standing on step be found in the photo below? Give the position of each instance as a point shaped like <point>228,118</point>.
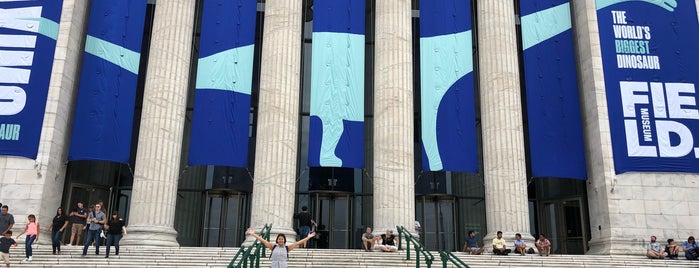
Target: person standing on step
<point>78,216</point>
<point>5,242</point>
<point>58,225</point>
<point>305,222</point>
<point>115,230</point>
<point>6,220</point>
<point>279,251</point>
<point>95,220</point>
<point>32,231</point>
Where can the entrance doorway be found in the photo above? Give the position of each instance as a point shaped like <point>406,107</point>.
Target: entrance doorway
<point>563,222</point>
<point>436,215</point>
<point>88,195</point>
<point>225,218</point>
<point>333,213</point>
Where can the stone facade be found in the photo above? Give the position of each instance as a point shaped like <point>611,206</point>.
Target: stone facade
<point>35,186</point>
<point>625,209</point>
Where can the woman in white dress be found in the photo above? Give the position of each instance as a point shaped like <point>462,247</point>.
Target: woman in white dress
<point>280,252</point>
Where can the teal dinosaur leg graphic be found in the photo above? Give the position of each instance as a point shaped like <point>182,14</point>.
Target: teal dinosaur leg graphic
<point>337,87</point>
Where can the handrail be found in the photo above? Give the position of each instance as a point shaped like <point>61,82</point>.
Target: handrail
<point>247,253</point>
<point>419,248</point>
<point>447,256</point>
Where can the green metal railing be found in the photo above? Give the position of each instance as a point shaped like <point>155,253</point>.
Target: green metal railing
<point>403,234</point>
<point>450,257</point>
<point>250,256</point>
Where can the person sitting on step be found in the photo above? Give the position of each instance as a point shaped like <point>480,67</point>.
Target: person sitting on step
<point>520,245</point>
<point>389,242</point>
<point>368,240</point>
<point>499,245</point>
<point>471,244</point>
<point>543,245</point>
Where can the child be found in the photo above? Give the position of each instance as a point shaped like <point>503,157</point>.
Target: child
<point>32,230</point>
<point>5,242</point>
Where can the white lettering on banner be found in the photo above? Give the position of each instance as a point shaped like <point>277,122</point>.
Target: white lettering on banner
<point>14,62</point>
<point>675,101</point>
<point>633,146</point>
<point>686,140</point>
<point>12,100</point>
<point>632,43</point>
<point>645,123</point>
<point>681,104</point>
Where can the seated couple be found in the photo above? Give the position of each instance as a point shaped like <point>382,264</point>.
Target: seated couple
<point>389,241</point>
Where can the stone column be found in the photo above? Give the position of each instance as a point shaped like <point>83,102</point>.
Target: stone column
<point>504,165</point>
<point>394,182</point>
<point>154,194</point>
<point>278,119</point>
<point>31,186</point>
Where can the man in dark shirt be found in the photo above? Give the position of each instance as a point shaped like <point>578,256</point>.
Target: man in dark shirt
<point>6,220</point>
<point>389,241</point>
<point>471,244</point>
<point>304,223</point>
<point>78,217</point>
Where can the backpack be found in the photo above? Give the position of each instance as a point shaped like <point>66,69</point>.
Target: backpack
<point>275,246</point>
<point>530,251</point>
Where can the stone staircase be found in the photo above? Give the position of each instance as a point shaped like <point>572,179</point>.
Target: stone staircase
<point>220,257</point>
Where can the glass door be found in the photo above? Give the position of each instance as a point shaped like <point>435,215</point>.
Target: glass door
<point>88,195</point>
<point>436,215</point>
<point>333,213</point>
<point>563,222</point>
<point>225,218</point>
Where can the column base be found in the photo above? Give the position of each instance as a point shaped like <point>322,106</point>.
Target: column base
<point>150,236</point>
<point>617,246</point>
<point>289,233</point>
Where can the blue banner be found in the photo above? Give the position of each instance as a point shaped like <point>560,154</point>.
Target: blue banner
<point>28,32</point>
<point>555,128</point>
<point>221,123</point>
<point>446,86</point>
<point>105,107</point>
<point>651,71</point>
<point>336,135</point>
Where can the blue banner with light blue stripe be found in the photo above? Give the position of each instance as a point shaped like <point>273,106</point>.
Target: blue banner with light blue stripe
<point>221,123</point>
<point>447,110</point>
<point>553,109</point>
<point>336,135</point>
<point>106,98</point>
<point>28,32</point>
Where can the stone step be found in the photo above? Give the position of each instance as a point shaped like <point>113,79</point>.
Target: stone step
<point>135,256</point>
